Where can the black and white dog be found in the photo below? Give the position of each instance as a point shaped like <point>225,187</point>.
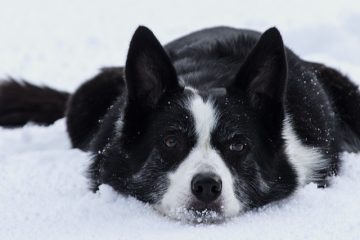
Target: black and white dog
<point>213,124</point>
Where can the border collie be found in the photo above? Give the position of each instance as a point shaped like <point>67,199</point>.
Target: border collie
<point>210,125</point>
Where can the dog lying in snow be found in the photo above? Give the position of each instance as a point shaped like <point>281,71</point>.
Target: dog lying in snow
<point>210,125</point>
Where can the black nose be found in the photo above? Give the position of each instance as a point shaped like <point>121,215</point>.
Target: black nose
<point>206,187</point>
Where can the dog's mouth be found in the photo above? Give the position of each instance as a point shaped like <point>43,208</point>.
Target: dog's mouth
<point>197,206</point>
<point>205,216</point>
<point>198,213</point>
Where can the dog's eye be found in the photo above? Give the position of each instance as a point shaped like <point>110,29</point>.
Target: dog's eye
<point>237,147</point>
<point>170,141</point>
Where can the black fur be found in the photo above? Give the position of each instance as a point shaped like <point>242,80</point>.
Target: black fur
<point>91,102</point>
<point>124,114</point>
<point>22,102</point>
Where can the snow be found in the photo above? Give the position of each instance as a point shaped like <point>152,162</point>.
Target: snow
<point>43,188</point>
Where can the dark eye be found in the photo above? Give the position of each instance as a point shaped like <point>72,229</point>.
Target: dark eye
<point>237,147</point>
<point>170,141</point>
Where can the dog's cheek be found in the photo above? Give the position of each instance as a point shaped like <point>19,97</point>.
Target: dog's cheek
<point>246,184</point>
<point>241,189</point>
<point>150,183</point>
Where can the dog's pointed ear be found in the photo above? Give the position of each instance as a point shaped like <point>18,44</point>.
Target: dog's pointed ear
<point>263,77</point>
<point>264,72</point>
<point>149,72</point>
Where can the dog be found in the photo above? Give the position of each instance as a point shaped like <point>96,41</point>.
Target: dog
<point>207,127</point>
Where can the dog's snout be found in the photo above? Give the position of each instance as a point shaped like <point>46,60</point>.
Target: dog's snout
<point>206,187</point>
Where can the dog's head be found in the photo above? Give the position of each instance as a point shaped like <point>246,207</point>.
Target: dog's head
<point>193,152</point>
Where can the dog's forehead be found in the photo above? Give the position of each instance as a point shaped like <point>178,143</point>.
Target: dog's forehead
<point>204,114</point>
<point>215,111</point>
<point>213,92</point>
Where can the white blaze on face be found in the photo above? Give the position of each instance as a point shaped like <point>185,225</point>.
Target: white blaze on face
<point>203,158</point>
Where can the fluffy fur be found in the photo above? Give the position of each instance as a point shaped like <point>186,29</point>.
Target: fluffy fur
<point>210,125</point>
<point>21,102</point>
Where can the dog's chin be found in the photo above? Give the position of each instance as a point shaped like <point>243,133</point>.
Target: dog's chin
<point>197,213</point>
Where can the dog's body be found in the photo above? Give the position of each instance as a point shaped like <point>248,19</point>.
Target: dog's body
<point>222,120</point>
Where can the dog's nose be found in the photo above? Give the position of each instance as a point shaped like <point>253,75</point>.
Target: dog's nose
<point>206,187</point>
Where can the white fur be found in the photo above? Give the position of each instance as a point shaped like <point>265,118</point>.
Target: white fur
<point>202,158</point>
<point>305,160</point>
<point>119,124</point>
<point>191,89</point>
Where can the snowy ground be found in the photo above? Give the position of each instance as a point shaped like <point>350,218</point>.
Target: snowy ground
<point>43,191</point>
